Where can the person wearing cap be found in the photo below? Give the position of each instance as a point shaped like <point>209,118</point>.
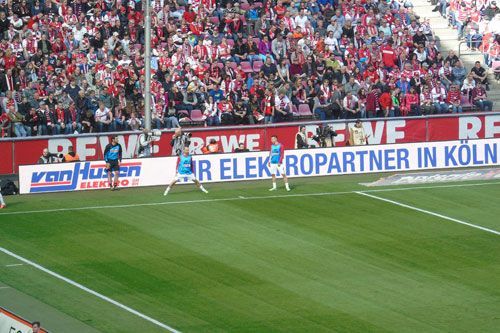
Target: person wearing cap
<point>419,37</point>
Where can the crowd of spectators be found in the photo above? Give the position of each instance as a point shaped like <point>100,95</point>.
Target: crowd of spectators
<point>76,66</point>
<point>477,22</point>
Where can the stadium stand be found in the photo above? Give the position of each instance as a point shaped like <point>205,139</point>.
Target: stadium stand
<point>77,66</point>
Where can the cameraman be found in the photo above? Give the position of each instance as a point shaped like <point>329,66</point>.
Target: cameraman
<point>301,138</point>
<point>180,141</point>
<point>47,157</point>
<point>144,148</point>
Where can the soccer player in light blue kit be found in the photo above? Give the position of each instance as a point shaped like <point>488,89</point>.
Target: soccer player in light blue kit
<point>276,162</point>
<point>185,170</point>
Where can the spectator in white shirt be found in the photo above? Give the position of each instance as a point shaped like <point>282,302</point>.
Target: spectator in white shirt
<point>331,42</point>
<point>350,104</point>
<point>439,99</point>
<point>103,118</point>
<point>79,31</point>
<point>301,19</point>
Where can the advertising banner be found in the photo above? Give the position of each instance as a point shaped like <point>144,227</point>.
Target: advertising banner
<point>255,165</point>
<point>10,323</point>
<point>81,176</point>
<point>91,147</point>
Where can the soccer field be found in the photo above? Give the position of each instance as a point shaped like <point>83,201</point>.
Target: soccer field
<point>321,258</point>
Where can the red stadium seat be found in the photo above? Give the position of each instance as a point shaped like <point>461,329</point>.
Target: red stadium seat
<point>197,116</point>
<point>246,67</point>
<point>305,111</point>
<point>466,104</point>
<point>257,65</point>
<point>183,113</point>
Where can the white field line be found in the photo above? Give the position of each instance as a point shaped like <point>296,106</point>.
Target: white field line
<point>90,291</point>
<point>289,195</point>
<point>397,203</point>
<point>168,328</point>
<point>4,287</point>
<point>13,265</point>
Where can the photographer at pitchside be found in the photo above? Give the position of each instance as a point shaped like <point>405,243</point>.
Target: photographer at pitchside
<point>179,141</point>
<point>48,158</point>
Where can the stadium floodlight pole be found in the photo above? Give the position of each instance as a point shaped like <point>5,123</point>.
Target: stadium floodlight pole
<point>147,65</point>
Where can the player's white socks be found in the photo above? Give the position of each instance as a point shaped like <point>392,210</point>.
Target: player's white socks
<point>273,188</point>
<point>2,203</point>
<point>287,187</point>
<point>203,189</point>
<point>167,190</point>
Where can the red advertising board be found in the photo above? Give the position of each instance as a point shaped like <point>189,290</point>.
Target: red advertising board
<point>395,130</point>
<point>6,157</point>
<point>466,127</point>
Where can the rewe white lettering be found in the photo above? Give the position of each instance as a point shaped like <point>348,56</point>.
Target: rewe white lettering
<point>86,153</point>
<point>374,138</point>
<point>229,143</point>
<point>196,145</point>
<point>252,142</point>
<point>56,146</point>
<point>392,134</point>
<point>491,126</point>
<point>130,148</point>
<point>469,127</point>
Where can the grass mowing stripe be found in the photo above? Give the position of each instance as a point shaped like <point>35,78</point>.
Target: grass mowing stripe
<point>239,198</point>
<point>90,291</point>
<point>429,212</point>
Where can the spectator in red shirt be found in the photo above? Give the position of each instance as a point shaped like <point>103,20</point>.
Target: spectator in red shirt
<point>386,103</point>
<point>454,99</point>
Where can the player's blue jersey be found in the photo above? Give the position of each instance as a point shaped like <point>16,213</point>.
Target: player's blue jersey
<point>276,154</point>
<point>185,166</point>
<point>113,152</point>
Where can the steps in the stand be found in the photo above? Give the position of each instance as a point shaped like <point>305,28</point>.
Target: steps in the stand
<point>447,40</point>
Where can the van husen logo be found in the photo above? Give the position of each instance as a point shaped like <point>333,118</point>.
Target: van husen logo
<point>83,175</point>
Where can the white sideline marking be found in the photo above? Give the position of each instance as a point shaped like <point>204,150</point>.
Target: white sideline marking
<point>90,291</point>
<point>239,198</point>
<point>430,213</point>
<point>13,265</point>
<point>4,288</point>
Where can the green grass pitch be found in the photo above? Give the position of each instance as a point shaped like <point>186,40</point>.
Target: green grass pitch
<point>231,262</point>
